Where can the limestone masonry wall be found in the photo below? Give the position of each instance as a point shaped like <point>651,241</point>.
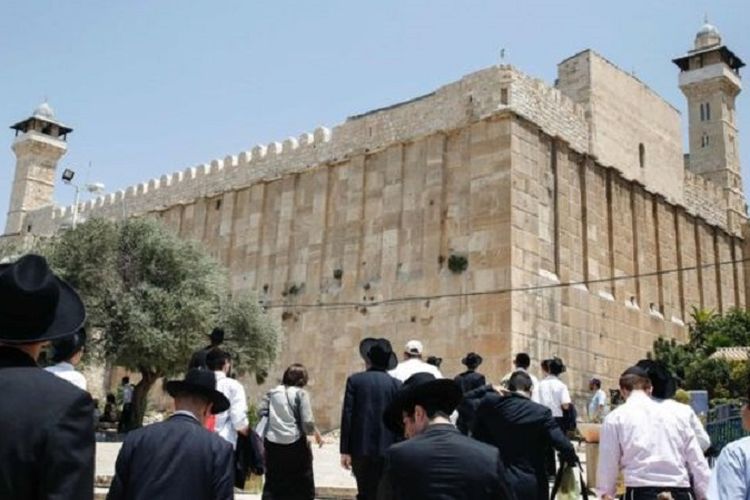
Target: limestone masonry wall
<point>473,97</point>
<point>575,221</point>
<point>704,198</point>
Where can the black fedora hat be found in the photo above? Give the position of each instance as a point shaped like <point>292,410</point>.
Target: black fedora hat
<point>421,388</point>
<point>378,352</point>
<point>472,360</point>
<point>36,305</point>
<point>203,383</point>
<point>663,383</point>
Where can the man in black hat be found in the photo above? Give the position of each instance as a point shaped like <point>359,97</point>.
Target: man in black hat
<point>664,388</point>
<point>437,461</point>
<point>198,360</point>
<point>470,379</point>
<point>178,458</point>
<point>364,437</point>
<point>46,423</point>
<point>656,452</point>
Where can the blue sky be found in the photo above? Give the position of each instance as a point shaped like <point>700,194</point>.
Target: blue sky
<point>157,86</point>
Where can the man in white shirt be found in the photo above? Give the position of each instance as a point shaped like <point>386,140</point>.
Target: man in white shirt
<point>413,363</point>
<point>234,420</point>
<point>664,388</point>
<point>656,451</point>
<point>66,354</point>
<point>522,362</point>
<point>598,406</point>
<point>554,394</point>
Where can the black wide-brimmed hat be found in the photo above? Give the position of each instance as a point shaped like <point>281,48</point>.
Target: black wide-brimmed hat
<point>217,335</point>
<point>663,383</point>
<point>472,360</point>
<point>202,383</point>
<point>36,305</point>
<point>378,352</point>
<point>421,388</point>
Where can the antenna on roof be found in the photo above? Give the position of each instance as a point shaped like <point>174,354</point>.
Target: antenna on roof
<point>502,55</point>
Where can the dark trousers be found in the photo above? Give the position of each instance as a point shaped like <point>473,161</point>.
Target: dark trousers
<point>367,471</point>
<point>126,418</point>
<point>550,452</point>
<point>289,471</point>
<point>644,493</point>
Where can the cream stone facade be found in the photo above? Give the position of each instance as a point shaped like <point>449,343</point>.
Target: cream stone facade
<point>584,233</point>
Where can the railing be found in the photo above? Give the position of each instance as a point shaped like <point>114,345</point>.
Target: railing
<point>724,426</point>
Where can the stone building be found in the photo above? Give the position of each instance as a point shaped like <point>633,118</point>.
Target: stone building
<point>496,214</point>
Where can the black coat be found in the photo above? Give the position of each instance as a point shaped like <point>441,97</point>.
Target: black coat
<point>469,405</point>
<point>469,380</point>
<point>362,430</point>
<point>443,464</point>
<point>46,433</point>
<point>522,430</point>
<point>174,459</point>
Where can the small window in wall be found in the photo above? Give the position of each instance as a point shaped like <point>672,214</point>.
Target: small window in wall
<point>218,204</point>
<point>703,113</point>
<point>641,155</point>
<point>504,96</point>
<point>708,112</point>
<point>704,140</point>
<point>28,228</point>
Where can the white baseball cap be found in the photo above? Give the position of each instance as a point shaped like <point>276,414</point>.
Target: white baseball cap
<point>413,347</point>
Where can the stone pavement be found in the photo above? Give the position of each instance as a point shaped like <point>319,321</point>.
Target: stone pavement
<point>331,480</point>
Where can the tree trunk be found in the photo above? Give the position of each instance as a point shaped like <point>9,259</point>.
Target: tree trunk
<point>140,396</point>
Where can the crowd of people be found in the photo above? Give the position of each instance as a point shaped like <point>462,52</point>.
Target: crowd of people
<point>407,432</point>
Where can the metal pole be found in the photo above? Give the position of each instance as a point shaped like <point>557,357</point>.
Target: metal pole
<point>75,206</point>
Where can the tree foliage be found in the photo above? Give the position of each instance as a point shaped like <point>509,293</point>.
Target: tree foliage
<point>692,362</point>
<point>154,297</point>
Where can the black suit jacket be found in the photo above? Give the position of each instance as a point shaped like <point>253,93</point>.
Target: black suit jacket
<point>522,430</point>
<point>175,459</point>
<point>443,464</point>
<point>362,430</point>
<point>46,433</point>
<point>469,380</point>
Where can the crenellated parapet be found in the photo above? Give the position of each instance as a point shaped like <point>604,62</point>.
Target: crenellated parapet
<point>476,96</point>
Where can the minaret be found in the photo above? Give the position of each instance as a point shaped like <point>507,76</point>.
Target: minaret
<point>710,79</point>
<point>39,145</point>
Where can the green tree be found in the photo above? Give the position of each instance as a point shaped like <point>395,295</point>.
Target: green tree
<point>152,297</point>
<point>692,362</point>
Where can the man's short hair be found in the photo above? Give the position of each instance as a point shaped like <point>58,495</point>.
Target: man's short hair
<point>520,381</point>
<point>635,378</point>
<point>545,365</point>
<point>125,380</point>
<point>596,382</point>
<point>432,407</point>
<point>217,358</point>
<point>556,366</point>
<point>522,360</point>
<point>295,376</point>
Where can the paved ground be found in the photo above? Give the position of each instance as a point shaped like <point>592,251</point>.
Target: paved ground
<point>330,478</point>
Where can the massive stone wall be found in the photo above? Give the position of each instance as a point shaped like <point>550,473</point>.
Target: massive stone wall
<point>631,127</point>
<point>576,221</point>
<point>475,96</point>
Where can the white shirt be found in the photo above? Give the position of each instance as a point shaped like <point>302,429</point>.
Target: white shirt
<point>407,368</point>
<point>730,479</point>
<point>68,372</point>
<point>127,394</point>
<point>598,399</point>
<point>652,446</point>
<point>686,413</point>
<point>553,393</point>
<point>235,418</point>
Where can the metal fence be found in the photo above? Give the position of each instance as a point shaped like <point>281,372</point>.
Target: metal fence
<point>724,426</point>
